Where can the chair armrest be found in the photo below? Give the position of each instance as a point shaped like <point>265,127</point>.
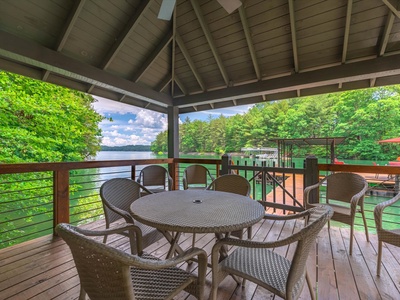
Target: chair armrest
<point>126,215</point>
<point>354,200</point>
<point>170,182</point>
<point>308,189</point>
<point>379,208</point>
<point>171,262</point>
<point>184,181</point>
<point>135,234</point>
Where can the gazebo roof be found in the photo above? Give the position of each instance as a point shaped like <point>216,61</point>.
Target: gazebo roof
<point>203,58</point>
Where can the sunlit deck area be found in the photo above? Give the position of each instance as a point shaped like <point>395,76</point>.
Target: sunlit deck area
<point>44,269</point>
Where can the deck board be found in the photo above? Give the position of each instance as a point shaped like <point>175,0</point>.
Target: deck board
<point>43,268</point>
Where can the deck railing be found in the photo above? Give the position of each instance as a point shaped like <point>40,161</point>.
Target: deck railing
<point>34,197</point>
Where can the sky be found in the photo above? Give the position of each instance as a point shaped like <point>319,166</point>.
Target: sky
<point>137,126</point>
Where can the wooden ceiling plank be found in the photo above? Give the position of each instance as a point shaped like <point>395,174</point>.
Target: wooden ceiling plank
<point>210,40</point>
<point>68,25</point>
<point>386,33</point>
<point>31,53</point>
<point>362,70</point>
<point>125,33</point>
<point>247,33</point>
<point>294,37</point>
<point>181,85</point>
<point>347,30</point>
<point>153,56</point>
<point>164,83</point>
<point>393,6</point>
<point>189,60</point>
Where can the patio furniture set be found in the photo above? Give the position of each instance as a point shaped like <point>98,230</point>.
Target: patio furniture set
<point>223,208</point>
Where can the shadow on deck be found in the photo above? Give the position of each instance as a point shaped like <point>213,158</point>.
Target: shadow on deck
<point>43,268</point>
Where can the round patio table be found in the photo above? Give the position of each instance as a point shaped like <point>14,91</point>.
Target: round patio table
<point>196,211</point>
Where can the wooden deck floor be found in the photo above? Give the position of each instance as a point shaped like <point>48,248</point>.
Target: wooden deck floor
<point>44,269</point>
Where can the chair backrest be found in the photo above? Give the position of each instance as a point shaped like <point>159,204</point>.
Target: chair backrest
<point>120,193</point>
<point>196,174</point>
<point>102,270</point>
<point>231,183</point>
<point>343,186</point>
<point>317,218</point>
<point>153,175</point>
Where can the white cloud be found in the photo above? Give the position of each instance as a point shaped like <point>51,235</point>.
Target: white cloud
<point>137,126</point>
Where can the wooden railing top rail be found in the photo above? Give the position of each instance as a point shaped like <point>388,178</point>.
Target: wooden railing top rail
<point>359,168</point>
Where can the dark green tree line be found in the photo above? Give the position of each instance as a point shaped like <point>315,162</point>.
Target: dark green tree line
<point>362,116</point>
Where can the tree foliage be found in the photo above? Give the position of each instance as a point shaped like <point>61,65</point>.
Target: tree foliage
<point>41,122</point>
<point>362,116</point>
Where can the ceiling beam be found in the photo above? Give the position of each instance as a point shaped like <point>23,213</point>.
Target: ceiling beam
<point>153,56</point>
<point>210,40</point>
<point>123,36</point>
<point>386,33</point>
<point>125,33</point>
<point>164,83</point>
<point>347,30</point>
<point>393,6</point>
<point>181,85</point>
<point>189,60</point>
<point>250,45</point>
<point>294,37</point>
<point>31,53</point>
<point>363,70</point>
<point>68,25</point>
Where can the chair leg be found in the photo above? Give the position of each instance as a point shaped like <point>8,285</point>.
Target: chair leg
<point>365,224</point>
<point>351,238</point>
<point>310,286</point>
<point>82,294</point>
<point>105,239</point>
<point>249,232</point>
<point>379,263</point>
<point>193,240</point>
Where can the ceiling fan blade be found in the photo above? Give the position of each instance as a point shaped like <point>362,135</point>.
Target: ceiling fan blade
<point>166,9</point>
<point>230,5</point>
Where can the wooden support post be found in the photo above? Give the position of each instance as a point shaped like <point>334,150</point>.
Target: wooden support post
<point>133,172</point>
<point>226,160</point>
<point>311,176</point>
<point>61,197</point>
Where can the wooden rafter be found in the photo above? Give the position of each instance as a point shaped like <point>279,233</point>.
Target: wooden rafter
<point>164,83</point>
<point>347,30</point>
<point>189,60</point>
<point>386,33</point>
<point>181,85</point>
<point>69,24</point>
<point>124,35</point>
<point>153,56</point>
<point>394,6</point>
<point>294,37</point>
<point>362,70</point>
<point>250,45</point>
<point>210,40</point>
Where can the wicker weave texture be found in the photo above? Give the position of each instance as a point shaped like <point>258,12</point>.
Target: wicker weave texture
<point>345,194</point>
<point>231,183</point>
<point>117,195</point>
<point>108,273</point>
<point>155,178</point>
<point>256,262</point>
<point>390,236</point>
<point>195,177</point>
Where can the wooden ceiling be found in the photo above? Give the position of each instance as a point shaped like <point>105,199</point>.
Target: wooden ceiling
<point>204,58</point>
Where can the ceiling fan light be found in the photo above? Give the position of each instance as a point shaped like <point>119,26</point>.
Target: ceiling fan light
<point>166,9</point>
<point>230,5</point>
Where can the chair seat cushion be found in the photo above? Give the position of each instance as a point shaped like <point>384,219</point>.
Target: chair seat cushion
<point>159,284</point>
<point>262,266</point>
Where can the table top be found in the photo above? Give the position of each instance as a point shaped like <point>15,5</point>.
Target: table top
<point>216,212</point>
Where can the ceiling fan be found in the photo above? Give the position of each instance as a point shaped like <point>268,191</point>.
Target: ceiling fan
<point>167,7</point>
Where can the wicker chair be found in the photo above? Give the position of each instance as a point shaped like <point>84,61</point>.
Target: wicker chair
<point>255,261</point>
<point>390,236</point>
<point>236,184</point>
<point>117,195</point>
<point>155,179</point>
<point>109,273</point>
<point>345,193</point>
<point>195,177</point>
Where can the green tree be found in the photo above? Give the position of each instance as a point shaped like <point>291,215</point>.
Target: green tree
<point>41,122</point>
